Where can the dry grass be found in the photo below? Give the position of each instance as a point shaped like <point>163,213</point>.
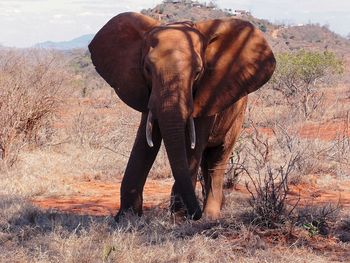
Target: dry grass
<point>93,135</point>
<point>31,235</point>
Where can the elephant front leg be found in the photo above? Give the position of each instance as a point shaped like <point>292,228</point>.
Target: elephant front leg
<point>139,164</point>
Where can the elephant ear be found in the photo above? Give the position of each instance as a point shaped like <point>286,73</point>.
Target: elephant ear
<point>116,52</point>
<point>238,61</point>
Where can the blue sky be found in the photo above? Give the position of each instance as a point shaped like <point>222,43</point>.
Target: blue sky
<point>26,22</point>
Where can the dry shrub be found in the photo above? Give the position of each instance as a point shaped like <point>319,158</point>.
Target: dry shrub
<point>318,219</point>
<point>31,84</point>
<point>271,165</point>
<point>343,230</point>
<point>91,130</point>
<point>275,147</point>
<point>98,131</point>
<point>282,126</point>
<point>269,195</point>
<point>339,151</point>
<point>271,158</point>
<point>274,158</point>
<point>269,177</point>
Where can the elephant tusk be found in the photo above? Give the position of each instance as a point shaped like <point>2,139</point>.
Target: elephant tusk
<point>149,127</point>
<point>192,133</point>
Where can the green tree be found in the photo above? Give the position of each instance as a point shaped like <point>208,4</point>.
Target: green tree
<point>299,75</point>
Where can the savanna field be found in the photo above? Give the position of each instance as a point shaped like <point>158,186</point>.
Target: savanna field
<point>65,139</point>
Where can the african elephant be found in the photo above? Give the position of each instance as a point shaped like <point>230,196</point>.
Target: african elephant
<point>190,81</point>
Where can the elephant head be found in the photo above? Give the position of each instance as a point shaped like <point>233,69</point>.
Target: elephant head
<point>180,71</point>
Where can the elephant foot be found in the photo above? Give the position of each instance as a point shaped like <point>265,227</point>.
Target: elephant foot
<point>212,212</point>
<point>195,214</point>
<point>177,205</point>
<point>212,215</point>
<point>130,204</point>
<point>194,210</point>
<point>118,216</point>
<point>179,209</point>
<point>125,213</point>
<point>179,216</point>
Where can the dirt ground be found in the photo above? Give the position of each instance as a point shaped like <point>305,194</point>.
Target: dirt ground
<point>103,198</point>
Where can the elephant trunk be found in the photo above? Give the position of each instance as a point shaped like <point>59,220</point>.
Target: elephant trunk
<point>149,128</point>
<point>173,133</point>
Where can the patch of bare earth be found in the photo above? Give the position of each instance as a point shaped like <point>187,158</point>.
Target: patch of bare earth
<point>102,198</point>
<point>325,131</point>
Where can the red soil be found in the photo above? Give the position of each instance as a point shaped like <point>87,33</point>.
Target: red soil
<point>98,198</point>
<point>325,131</point>
<point>311,195</point>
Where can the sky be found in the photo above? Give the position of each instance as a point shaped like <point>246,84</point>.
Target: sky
<point>24,23</point>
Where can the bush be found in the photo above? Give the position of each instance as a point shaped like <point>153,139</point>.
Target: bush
<point>263,28</point>
<point>269,178</point>
<point>300,75</point>
<point>31,83</point>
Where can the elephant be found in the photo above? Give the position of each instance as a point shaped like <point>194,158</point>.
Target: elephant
<point>190,82</point>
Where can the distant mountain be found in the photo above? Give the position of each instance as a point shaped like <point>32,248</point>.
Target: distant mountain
<point>79,42</point>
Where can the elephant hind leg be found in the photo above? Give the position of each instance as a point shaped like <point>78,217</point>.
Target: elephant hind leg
<point>213,166</point>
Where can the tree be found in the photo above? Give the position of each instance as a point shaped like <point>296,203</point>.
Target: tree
<point>299,76</point>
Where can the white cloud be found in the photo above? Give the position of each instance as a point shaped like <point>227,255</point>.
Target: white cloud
<point>96,14</point>
<point>85,14</point>
<point>58,16</point>
<point>62,21</point>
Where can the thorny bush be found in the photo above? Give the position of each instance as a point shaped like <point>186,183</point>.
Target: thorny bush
<point>31,84</point>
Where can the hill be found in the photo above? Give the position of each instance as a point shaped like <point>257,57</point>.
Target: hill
<point>79,42</point>
<point>310,36</point>
<point>169,11</point>
<point>281,37</point>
